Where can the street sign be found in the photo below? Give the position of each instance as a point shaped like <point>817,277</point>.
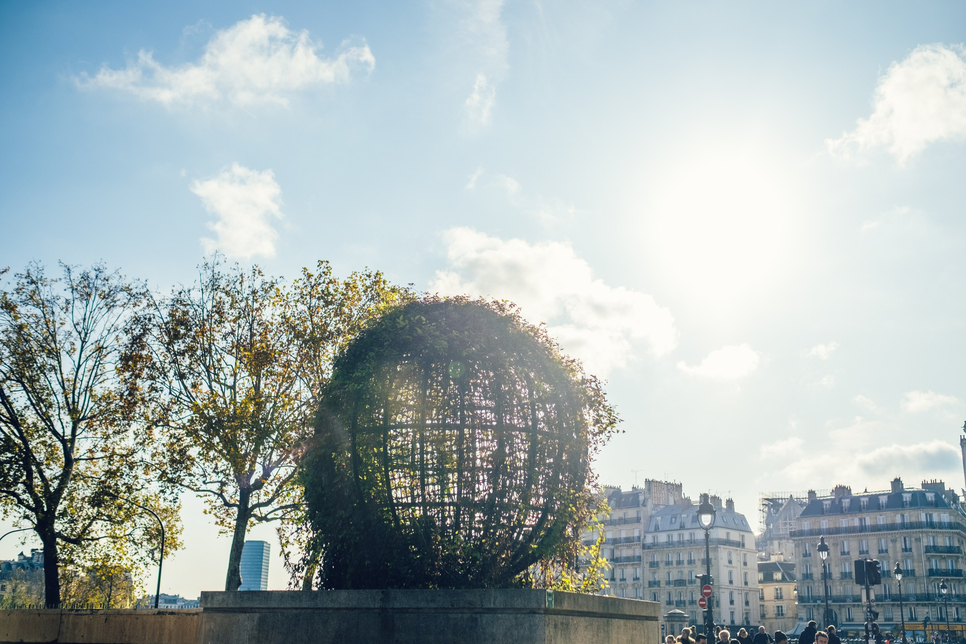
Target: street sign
<point>706,590</point>
<point>702,602</point>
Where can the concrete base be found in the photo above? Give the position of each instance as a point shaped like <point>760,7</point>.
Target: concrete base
<point>426,617</point>
<point>352,617</point>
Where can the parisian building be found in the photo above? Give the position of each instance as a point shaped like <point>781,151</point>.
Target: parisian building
<point>923,529</point>
<point>777,594</point>
<point>657,552</point>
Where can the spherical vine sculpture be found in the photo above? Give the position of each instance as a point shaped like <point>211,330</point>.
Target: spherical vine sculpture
<point>452,450</point>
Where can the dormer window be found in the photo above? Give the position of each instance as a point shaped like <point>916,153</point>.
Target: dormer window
<point>930,498</point>
<point>883,501</point>
<point>864,504</point>
<point>845,504</point>
<point>906,499</point>
<point>826,506</point>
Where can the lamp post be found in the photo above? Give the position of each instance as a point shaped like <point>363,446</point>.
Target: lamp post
<point>902,615</point>
<point>157,593</point>
<point>823,553</point>
<point>943,588</point>
<point>706,515</point>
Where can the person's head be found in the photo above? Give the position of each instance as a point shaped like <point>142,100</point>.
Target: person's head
<point>780,637</point>
<point>701,638</point>
<point>724,636</point>
<point>831,630</point>
<point>813,624</point>
<point>821,637</point>
<point>669,639</point>
<point>761,630</point>
<point>686,632</point>
<point>742,632</point>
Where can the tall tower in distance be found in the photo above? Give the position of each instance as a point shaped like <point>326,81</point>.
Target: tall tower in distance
<point>254,565</point>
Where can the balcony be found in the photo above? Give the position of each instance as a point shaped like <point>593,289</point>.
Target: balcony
<point>731,543</point>
<point>668,562</point>
<point>885,527</point>
<point>680,603</point>
<point>623,521</point>
<point>863,552</point>
<point>626,559</point>
<point>653,564</point>
<point>617,540</point>
<point>943,550</point>
<point>680,582</point>
<point>845,575</point>
<point>904,549</point>
<point>806,555</point>
<point>653,584</point>
<point>692,562</point>
<point>944,572</point>
<point>807,576</point>
<point>884,552</point>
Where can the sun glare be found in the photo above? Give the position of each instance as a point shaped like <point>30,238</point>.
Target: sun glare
<point>720,227</point>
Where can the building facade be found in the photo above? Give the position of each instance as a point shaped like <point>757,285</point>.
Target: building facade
<point>923,529</point>
<point>22,579</point>
<point>657,552</point>
<point>777,594</point>
<point>254,565</point>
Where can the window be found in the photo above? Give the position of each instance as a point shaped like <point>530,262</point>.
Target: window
<point>762,612</point>
<point>729,557</point>
<point>863,546</point>
<point>883,546</point>
<point>848,614</point>
<point>779,611</point>
<point>826,505</point>
<point>761,594</point>
<point>743,545</point>
<point>809,614</point>
<point>845,548</point>
<point>731,577</point>
<point>823,524</point>
<point>843,523</point>
<point>731,597</point>
<point>864,504</point>
<point>746,579</point>
<point>779,594</point>
<point>881,519</point>
<point>653,597</point>
<point>744,556</point>
<point>906,544</point>
<point>845,504</point>
<point>808,591</point>
<point>912,613</point>
<point>805,525</point>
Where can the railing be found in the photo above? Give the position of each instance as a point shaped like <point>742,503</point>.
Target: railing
<point>680,603</point>
<point>807,576</point>
<point>807,554</point>
<point>622,521</point>
<point>653,584</point>
<point>944,572</point>
<point>863,552</point>
<point>617,540</point>
<point>885,527</point>
<point>909,549</point>
<point>626,559</point>
<point>732,543</point>
<point>943,550</point>
<point>692,602</point>
<point>883,552</point>
<point>680,582</point>
<point>845,575</point>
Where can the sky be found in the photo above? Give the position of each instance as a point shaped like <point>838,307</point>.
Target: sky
<point>744,216</point>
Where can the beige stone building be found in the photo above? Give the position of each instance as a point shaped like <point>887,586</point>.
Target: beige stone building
<point>923,529</point>
<point>777,594</point>
<point>657,550</point>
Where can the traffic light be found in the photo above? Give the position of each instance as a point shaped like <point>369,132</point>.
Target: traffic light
<point>868,572</point>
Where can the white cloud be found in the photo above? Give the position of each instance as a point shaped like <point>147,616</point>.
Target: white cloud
<point>827,381</point>
<point>479,104</point>
<point>866,403</point>
<point>483,35</point>
<point>896,214</point>
<point>885,462</point>
<point>823,351</point>
<point>597,323</point>
<point>255,61</point>
<point>782,448</point>
<point>546,211</point>
<point>244,201</point>
<point>471,184</point>
<point>916,401</point>
<point>918,101</point>
<point>726,363</point>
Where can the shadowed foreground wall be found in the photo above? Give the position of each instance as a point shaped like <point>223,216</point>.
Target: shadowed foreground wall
<point>354,616</point>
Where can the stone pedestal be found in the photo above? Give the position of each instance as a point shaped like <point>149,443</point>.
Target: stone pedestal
<point>425,617</point>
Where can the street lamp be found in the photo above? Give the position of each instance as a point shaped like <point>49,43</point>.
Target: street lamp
<point>157,593</point>
<point>706,515</point>
<point>902,616</point>
<point>823,553</point>
<point>943,588</point>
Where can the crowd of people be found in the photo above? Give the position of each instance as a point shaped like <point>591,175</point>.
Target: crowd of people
<point>811,635</point>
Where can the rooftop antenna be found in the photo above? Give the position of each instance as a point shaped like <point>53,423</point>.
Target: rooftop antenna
<point>637,471</point>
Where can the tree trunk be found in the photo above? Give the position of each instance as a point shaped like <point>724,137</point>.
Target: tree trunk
<point>234,580</point>
<point>51,566</point>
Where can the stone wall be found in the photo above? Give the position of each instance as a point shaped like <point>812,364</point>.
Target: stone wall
<point>349,617</point>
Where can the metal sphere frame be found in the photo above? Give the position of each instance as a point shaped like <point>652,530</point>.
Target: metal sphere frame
<point>452,451</point>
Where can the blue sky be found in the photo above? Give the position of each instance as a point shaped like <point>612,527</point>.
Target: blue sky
<point>748,217</point>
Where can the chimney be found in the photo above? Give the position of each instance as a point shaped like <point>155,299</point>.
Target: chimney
<point>812,495</point>
<point>840,491</point>
<point>686,502</point>
<point>730,505</point>
<point>703,498</point>
<point>715,500</point>
<point>897,485</point>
